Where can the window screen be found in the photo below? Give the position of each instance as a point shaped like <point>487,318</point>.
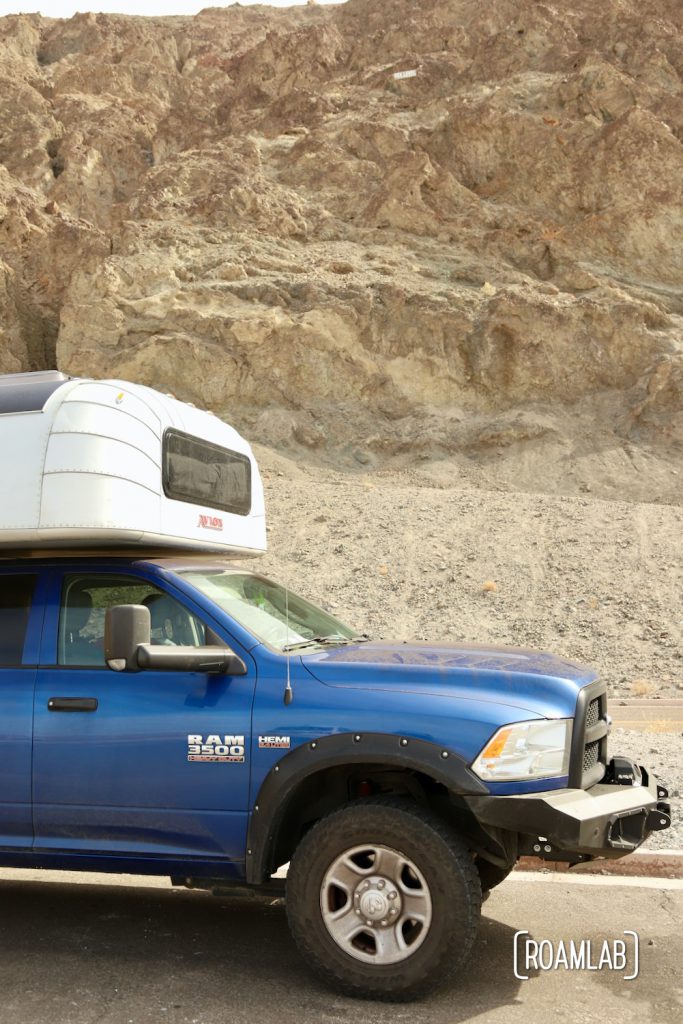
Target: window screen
<point>16,594</point>
<point>205,474</point>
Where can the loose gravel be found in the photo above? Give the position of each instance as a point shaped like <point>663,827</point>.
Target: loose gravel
<point>597,581</point>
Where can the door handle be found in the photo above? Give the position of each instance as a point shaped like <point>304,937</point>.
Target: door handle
<point>72,704</point>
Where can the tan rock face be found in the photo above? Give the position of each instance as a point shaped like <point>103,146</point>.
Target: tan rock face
<point>478,266</point>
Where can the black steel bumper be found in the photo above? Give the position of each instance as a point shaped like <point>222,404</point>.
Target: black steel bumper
<point>608,820</point>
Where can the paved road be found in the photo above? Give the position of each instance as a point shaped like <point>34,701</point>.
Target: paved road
<point>648,715</point>
<point>82,953</point>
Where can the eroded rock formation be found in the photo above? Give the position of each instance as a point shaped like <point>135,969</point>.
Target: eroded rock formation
<point>478,266</point>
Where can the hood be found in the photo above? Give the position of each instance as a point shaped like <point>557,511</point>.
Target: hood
<point>535,681</point>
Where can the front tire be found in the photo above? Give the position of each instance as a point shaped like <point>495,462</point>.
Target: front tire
<point>383,899</point>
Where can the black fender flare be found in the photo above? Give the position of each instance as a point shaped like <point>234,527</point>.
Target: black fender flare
<point>394,751</point>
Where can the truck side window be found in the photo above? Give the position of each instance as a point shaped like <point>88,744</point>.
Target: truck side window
<point>84,603</point>
<point>16,594</point>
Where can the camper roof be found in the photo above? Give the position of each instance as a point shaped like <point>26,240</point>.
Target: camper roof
<point>28,392</point>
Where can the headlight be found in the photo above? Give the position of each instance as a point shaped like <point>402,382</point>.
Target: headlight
<point>526,750</point>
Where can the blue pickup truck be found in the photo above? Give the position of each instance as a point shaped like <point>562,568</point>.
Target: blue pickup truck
<point>183,716</point>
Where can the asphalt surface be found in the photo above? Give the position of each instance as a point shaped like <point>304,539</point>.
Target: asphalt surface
<point>648,715</point>
<point>78,953</point>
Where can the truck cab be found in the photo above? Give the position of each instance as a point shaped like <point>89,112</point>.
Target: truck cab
<point>146,728</point>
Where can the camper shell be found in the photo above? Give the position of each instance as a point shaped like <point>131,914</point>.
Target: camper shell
<point>109,465</point>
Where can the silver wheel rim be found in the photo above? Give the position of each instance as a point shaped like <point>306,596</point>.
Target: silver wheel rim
<point>376,904</point>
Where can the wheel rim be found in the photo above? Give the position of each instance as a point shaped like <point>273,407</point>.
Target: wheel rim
<point>376,904</point>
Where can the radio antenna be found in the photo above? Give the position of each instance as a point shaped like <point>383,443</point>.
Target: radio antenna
<point>289,693</point>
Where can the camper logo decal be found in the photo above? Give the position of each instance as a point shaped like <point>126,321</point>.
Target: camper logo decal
<point>215,748</point>
<point>210,522</point>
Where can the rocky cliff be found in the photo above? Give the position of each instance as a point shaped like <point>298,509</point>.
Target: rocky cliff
<point>476,267</point>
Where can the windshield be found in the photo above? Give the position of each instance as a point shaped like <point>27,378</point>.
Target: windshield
<point>261,606</point>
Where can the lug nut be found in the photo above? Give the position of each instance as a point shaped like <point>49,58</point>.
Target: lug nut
<point>381,883</point>
<point>392,895</point>
<point>358,912</point>
<point>384,923</point>
<point>369,924</point>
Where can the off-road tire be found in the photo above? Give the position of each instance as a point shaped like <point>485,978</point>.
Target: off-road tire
<point>448,870</point>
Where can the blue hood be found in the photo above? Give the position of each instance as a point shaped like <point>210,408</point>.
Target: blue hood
<point>537,682</point>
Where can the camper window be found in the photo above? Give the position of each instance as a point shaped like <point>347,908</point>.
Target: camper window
<point>205,474</point>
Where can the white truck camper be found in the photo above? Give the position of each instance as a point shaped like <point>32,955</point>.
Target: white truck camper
<point>111,465</point>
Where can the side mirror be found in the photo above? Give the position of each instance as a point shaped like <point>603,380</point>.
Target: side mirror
<point>214,660</point>
<point>127,627</point>
<point>127,648</point>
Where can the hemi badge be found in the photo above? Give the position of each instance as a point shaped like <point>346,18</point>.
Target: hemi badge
<point>274,742</point>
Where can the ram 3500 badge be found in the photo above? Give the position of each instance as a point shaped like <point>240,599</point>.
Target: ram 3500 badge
<point>175,714</point>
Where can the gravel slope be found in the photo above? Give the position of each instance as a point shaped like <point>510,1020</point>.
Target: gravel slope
<point>597,581</point>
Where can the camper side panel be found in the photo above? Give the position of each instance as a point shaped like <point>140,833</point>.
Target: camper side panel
<point>23,438</point>
<point>102,466</point>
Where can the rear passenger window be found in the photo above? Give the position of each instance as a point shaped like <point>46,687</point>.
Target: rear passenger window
<point>16,594</point>
<point>205,474</point>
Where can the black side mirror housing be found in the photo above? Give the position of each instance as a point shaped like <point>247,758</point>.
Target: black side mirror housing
<point>213,660</point>
<point>127,648</point>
